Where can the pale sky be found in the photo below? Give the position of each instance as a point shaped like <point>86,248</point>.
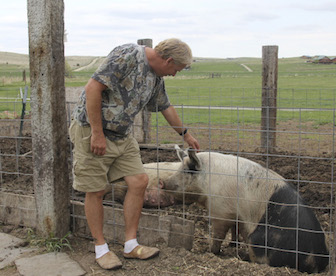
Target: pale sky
<point>212,28</point>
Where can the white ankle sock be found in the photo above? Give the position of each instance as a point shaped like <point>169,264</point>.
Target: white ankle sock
<point>130,245</point>
<point>101,250</point>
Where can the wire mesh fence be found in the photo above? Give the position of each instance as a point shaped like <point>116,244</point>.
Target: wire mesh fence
<point>226,122</point>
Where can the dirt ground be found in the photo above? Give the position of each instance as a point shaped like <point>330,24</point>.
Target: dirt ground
<point>308,164</point>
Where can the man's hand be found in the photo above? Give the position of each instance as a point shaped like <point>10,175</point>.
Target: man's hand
<point>98,144</point>
<point>192,142</point>
<point>174,120</point>
<point>93,91</point>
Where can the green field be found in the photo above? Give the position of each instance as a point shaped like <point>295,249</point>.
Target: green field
<point>216,83</point>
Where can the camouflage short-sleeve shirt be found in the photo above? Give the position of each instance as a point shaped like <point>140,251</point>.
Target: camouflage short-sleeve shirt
<point>131,85</point>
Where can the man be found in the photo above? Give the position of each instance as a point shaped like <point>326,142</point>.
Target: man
<point>129,79</point>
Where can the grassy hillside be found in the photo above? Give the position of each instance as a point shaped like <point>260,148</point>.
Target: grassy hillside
<point>211,82</point>
<point>76,62</point>
<point>14,59</point>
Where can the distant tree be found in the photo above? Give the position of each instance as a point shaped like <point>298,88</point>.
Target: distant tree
<point>68,70</point>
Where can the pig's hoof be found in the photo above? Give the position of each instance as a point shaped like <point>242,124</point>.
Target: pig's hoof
<point>215,248</point>
<point>233,244</point>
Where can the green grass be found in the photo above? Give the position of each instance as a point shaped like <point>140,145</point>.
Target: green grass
<point>224,82</point>
<point>251,97</point>
<point>238,116</point>
<point>51,243</point>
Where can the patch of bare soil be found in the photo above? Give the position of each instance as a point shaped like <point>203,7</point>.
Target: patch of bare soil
<point>307,163</point>
<point>171,261</point>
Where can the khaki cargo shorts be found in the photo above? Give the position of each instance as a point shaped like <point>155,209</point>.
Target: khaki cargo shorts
<point>91,173</point>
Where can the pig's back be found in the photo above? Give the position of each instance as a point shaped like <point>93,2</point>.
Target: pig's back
<point>238,185</point>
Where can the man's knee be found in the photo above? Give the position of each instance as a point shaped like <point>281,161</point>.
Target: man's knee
<point>145,178</point>
<point>139,181</point>
<point>143,181</point>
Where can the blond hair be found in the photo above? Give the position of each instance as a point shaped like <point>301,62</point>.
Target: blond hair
<point>176,49</point>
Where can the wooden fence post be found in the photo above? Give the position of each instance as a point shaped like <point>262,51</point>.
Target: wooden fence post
<point>269,97</point>
<point>49,127</point>
<point>142,121</point>
<point>24,76</point>
<point>332,248</point>
<point>148,42</point>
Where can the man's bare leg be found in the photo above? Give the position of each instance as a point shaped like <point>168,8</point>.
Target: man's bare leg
<point>133,203</point>
<point>132,211</point>
<point>95,215</point>
<point>94,212</point>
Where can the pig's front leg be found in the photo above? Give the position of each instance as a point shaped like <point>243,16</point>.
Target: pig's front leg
<point>219,230</point>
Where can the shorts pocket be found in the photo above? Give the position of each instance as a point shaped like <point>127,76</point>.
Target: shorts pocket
<point>72,130</point>
<point>79,170</point>
<point>86,133</point>
<point>135,145</point>
<point>84,139</point>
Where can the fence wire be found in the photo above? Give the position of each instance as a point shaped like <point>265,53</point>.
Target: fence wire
<point>225,121</point>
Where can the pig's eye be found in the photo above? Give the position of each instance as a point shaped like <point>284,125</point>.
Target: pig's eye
<point>189,171</point>
<point>191,168</point>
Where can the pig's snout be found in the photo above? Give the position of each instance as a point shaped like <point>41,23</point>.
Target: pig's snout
<point>154,197</point>
<point>169,185</point>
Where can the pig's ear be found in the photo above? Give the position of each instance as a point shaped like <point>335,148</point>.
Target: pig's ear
<point>180,153</point>
<point>195,162</point>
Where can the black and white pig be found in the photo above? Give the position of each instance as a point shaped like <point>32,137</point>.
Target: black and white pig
<point>276,223</point>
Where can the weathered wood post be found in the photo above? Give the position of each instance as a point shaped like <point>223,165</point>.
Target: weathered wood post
<point>24,75</point>
<point>49,127</point>
<point>332,248</point>
<point>142,122</point>
<point>148,42</point>
<point>333,252</point>
<point>269,97</point>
